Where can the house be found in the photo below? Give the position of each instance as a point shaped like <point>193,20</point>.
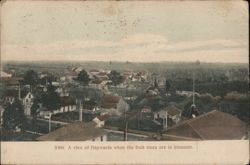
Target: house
<point>99,84</point>
<point>114,105</point>
<point>11,81</point>
<point>100,120</point>
<point>62,91</point>
<point>66,104</point>
<point>78,131</point>
<point>90,107</point>
<point>187,93</point>
<point>25,96</point>
<point>76,69</point>
<point>4,74</point>
<point>214,125</point>
<point>146,113</point>
<point>171,111</point>
<point>146,109</point>
<point>94,71</point>
<point>27,103</point>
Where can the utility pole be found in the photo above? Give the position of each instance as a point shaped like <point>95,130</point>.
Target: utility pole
<point>193,105</point>
<point>80,111</point>
<point>49,118</point>
<point>193,87</point>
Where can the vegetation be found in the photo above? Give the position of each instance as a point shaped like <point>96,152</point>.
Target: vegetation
<point>13,116</point>
<point>30,78</point>
<point>115,77</point>
<point>83,77</point>
<point>50,98</point>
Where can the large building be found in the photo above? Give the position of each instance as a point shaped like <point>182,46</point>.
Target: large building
<point>78,131</point>
<point>214,125</point>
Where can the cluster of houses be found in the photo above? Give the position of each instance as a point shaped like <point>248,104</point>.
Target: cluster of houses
<point>174,124</point>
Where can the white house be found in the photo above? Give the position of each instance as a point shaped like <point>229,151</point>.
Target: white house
<point>100,120</point>
<point>67,104</point>
<point>4,74</point>
<point>186,93</point>
<point>27,103</point>
<point>170,112</point>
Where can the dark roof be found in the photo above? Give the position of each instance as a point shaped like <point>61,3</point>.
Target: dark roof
<point>102,74</point>
<point>103,117</point>
<point>215,125</point>
<point>89,105</point>
<point>66,100</point>
<point>172,110</point>
<point>78,131</point>
<point>96,81</point>
<point>14,93</point>
<point>11,80</point>
<point>110,101</point>
<point>94,70</point>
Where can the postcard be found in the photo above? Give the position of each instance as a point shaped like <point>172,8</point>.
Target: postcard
<point>124,82</point>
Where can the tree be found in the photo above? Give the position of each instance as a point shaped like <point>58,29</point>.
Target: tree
<point>30,78</point>
<point>13,116</point>
<point>47,79</point>
<point>34,113</point>
<point>51,99</point>
<point>115,77</point>
<point>83,77</point>
<point>167,86</point>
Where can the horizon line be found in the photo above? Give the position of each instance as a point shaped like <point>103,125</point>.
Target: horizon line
<point>204,62</point>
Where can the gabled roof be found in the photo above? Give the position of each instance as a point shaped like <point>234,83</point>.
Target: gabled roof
<point>110,101</point>
<point>78,131</point>
<point>215,125</point>
<point>172,110</point>
<point>103,117</point>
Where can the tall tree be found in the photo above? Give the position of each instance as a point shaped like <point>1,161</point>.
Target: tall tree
<point>13,116</point>
<point>167,86</point>
<point>83,77</point>
<point>34,113</point>
<point>115,77</point>
<point>47,79</point>
<point>30,78</point>
<point>51,99</point>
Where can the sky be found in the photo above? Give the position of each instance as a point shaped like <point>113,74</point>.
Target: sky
<point>136,31</point>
